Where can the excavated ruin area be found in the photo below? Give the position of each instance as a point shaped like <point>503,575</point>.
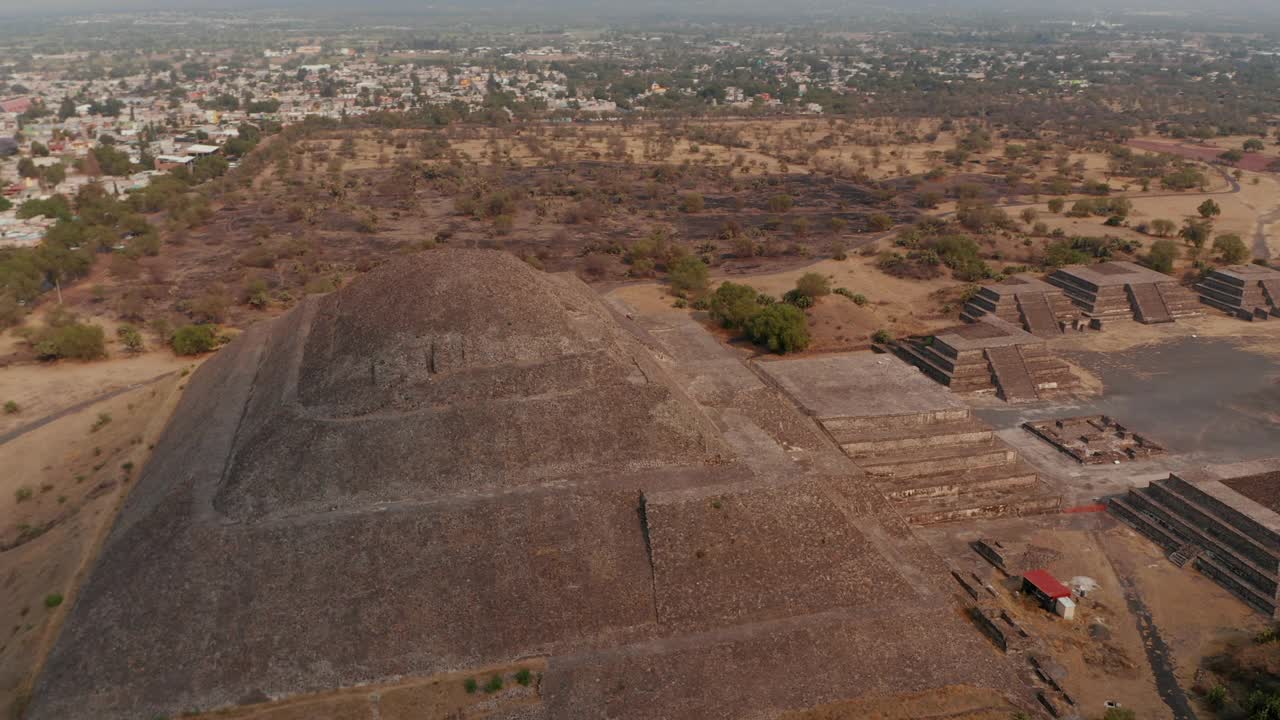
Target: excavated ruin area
<point>461,462</point>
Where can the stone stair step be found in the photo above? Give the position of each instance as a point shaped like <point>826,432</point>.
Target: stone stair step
<point>965,432</point>
<point>1012,379</point>
<point>1189,533</point>
<point>1240,539</point>
<point>1037,315</point>
<point>1235,584</point>
<point>1148,304</point>
<point>930,511</point>
<point>935,462</point>
<point>1001,477</point>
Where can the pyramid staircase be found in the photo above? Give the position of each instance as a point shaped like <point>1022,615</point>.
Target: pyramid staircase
<point>1012,378</point>
<point>1197,529</point>
<point>1245,298</point>
<point>943,467</point>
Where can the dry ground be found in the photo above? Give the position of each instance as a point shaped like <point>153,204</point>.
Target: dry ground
<point>903,307</point>
<point>59,493</point>
<point>1101,650</point>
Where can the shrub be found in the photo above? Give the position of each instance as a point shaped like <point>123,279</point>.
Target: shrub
<point>879,222</point>
<point>103,420</point>
<point>194,339</point>
<point>52,600</point>
<point>494,684</point>
<point>130,337</point>
<point>780,203</point>
<point>1161,256</point>
<point>781,327</point>
<point>814,285</point>
<point>22,494</point>
<point>1216,697</point>
<point>11,407</point>
<point>692,202</point>
<point>70,339</point>
<point>1056,205</point>
<point>524,677</point>
<point>688,275</point>
<point>470,685</point>
<point>882,337</point>
<point>797,298</point>
<point>733,304</point>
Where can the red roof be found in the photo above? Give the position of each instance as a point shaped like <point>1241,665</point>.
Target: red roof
<point>1047,584</point>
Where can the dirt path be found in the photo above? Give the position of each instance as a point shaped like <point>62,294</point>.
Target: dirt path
<point>1260,248</point>
<point>1157,650</point>
<point>36,425</point>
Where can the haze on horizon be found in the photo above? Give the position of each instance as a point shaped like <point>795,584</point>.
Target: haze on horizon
<point>524,9</point>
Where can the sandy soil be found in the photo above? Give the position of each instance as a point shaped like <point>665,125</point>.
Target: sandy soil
<point>59,492</point>
<point>41,389</point>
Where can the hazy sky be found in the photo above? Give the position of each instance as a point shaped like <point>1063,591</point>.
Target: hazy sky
<point>793,9</point>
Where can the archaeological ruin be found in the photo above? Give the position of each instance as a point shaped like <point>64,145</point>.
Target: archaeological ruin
<point>1120,290</point>
<point>1224,521</point>
<point>920,445</point>
<point>457,461</point>
<point>1094,439</point>
<point>1028,302</point>
<point>1249,292</point>
<point>990,356</point>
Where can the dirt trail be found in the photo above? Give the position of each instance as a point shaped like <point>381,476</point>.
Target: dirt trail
<point>36,425</point>
<point>1157,650</point>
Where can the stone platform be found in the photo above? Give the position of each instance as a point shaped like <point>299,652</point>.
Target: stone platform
<point>1222,520</point>
<point>1023,300</point>
<point>1249,292</point>
<point>1121,290</point>
<point>990,355</point>
<point>918,443</point>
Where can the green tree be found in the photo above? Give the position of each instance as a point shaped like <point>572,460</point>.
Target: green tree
<point>780,327</point>
<point>688,275</point>
<point>1253,145</point>
<point>1209,209</point>
<point>1196,232</point>
<point>733,304</point>
<point>1056,205</point>
<point>1231,248</point>
<point>1162,255</point>
<point>1161,227</point>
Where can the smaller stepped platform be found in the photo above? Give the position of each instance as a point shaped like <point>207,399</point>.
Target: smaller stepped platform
<point>1038,307</point>
<point>1222,523</point>
<point>992,356</point>
<point>917,443</point>
<point>1249,292</point>
<point>1119,290</point>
